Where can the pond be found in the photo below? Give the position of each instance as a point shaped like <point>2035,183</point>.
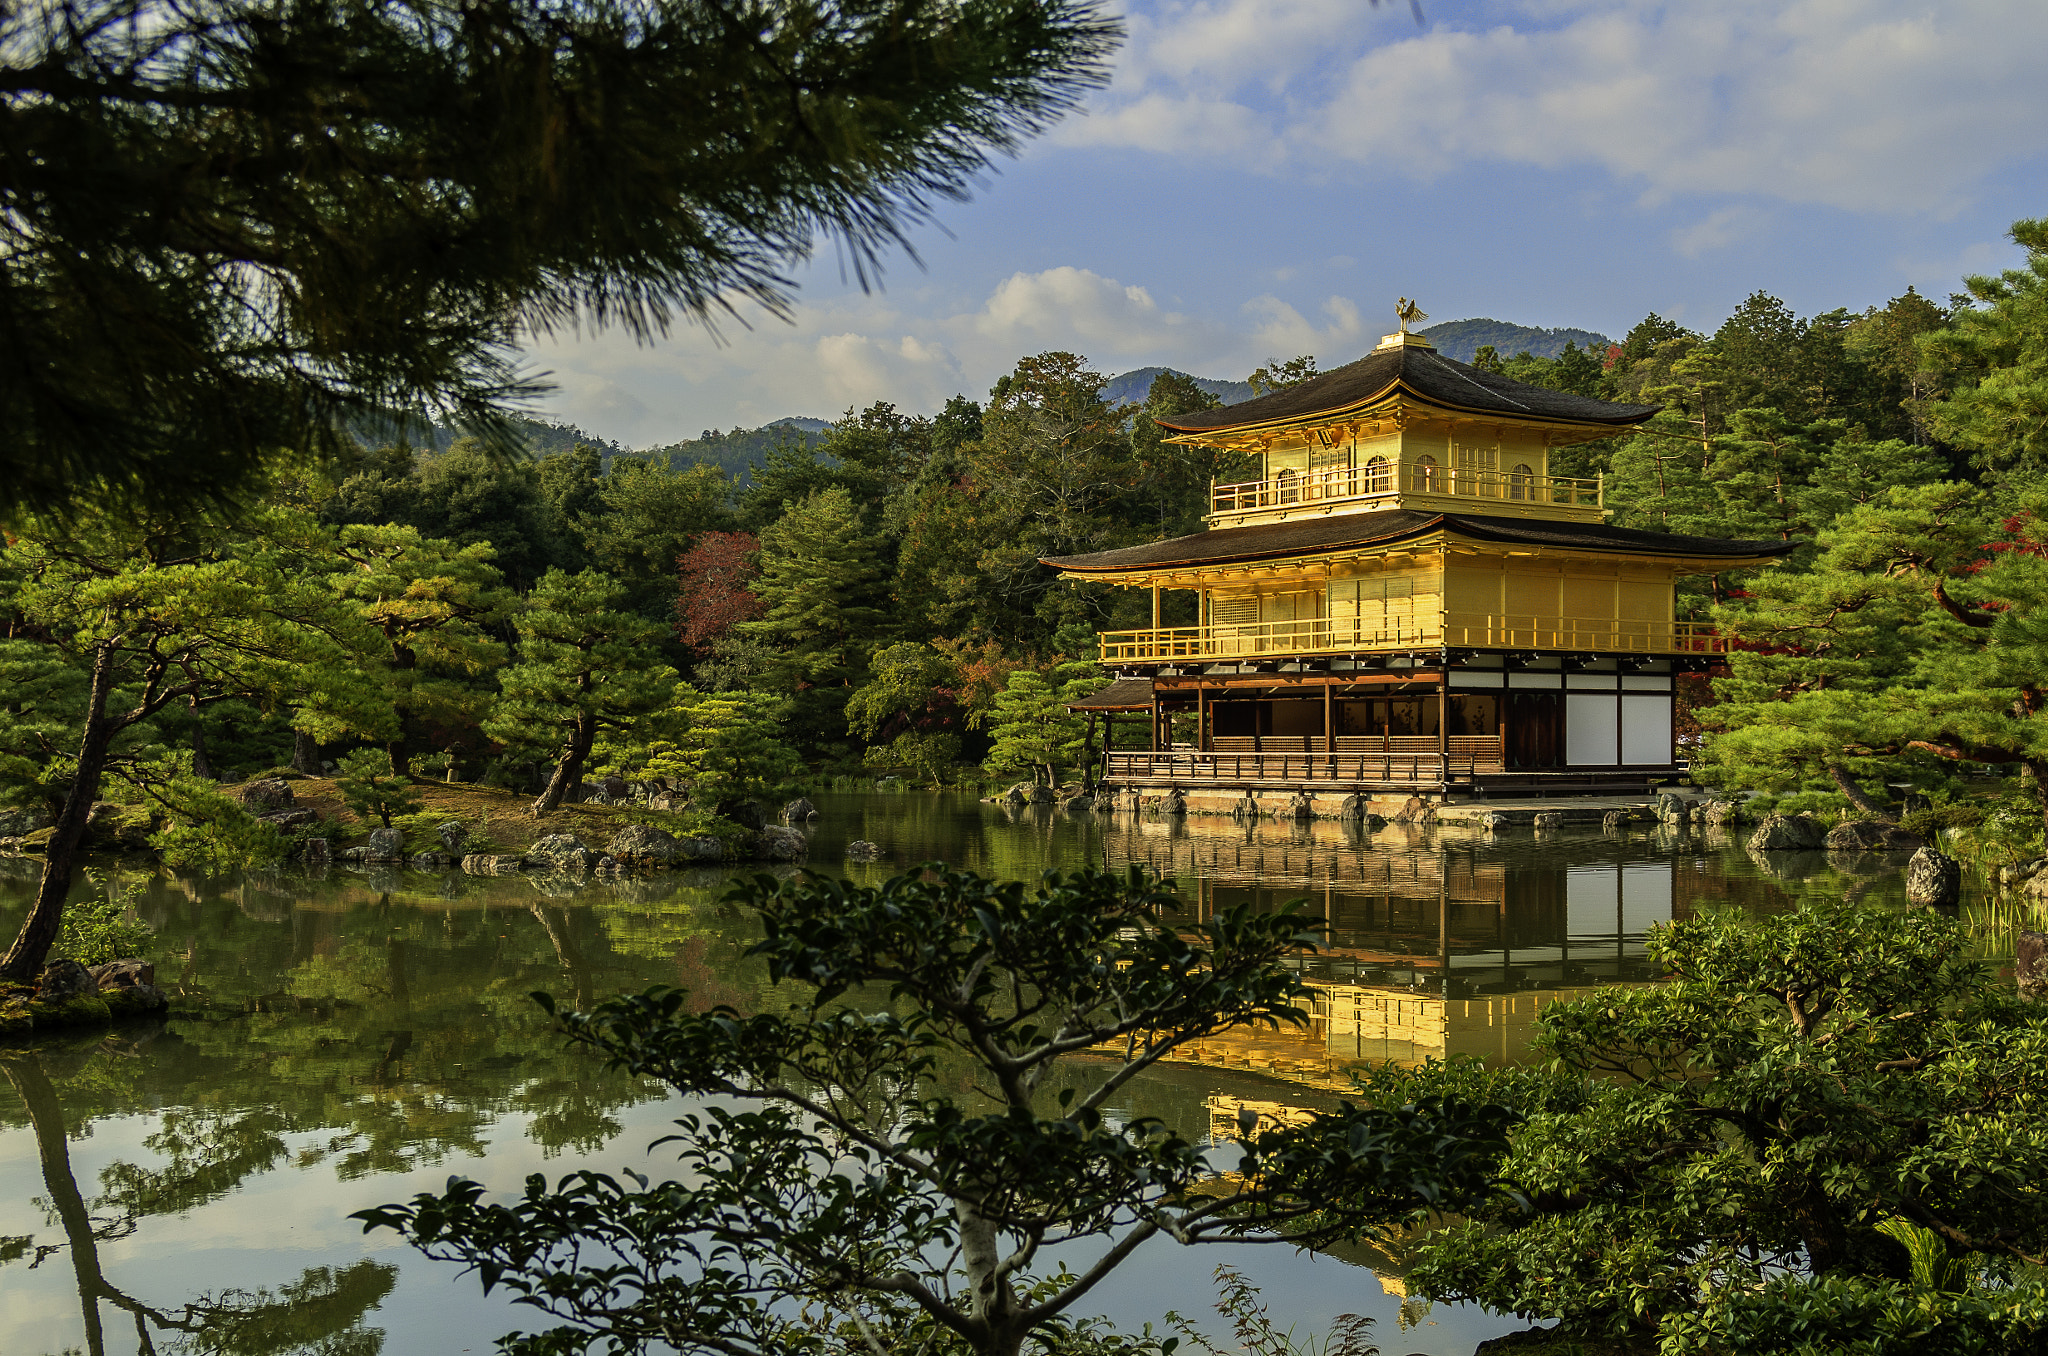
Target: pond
<point>345,1041</point>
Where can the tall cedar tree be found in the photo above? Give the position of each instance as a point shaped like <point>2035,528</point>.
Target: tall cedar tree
<point>586,665</point>
<point>153,614</point>
<point>822,606</point>
<point>457,175</point>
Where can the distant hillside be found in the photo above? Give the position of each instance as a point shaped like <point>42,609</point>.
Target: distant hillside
<point>543,437</point>
<point>738,451</point>
<point>1460,339</point>
<point>1130,388</point>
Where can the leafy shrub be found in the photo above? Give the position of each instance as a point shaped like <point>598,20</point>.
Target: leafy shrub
<point>101,929</point>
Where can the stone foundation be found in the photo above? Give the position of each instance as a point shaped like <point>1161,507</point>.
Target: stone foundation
<point>1304,803</point>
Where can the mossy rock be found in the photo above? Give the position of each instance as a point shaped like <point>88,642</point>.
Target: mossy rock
<point>129,1001</point>
<point>79,1010</point>
<point>37,842</point>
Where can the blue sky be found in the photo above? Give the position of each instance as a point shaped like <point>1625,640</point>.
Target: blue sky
<point>1264,177</point>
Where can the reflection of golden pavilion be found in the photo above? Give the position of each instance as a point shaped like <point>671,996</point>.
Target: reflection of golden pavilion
<point>1436,946</point>
<point>1407,598</point>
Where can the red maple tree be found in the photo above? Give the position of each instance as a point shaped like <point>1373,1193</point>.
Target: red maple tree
<point>712,593</point>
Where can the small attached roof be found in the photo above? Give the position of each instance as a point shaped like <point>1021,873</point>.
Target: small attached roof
<point>1265,541</point>
<point>1124,694</point>
<point>1419,371</point>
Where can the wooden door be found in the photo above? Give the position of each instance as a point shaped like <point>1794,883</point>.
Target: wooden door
<point>1535,729</point>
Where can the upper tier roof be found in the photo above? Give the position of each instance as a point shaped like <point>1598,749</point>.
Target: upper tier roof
<point>1308,536</point>
<point>1422,372</point>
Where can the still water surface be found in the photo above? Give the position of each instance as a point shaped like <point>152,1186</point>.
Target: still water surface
<point>346,1041</point>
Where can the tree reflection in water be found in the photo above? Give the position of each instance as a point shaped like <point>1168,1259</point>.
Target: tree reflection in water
<point>321,1312</point>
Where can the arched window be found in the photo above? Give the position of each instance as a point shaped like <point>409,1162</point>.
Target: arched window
<point>1287,486</point>
<point>1522,482</point>
<point>1379,475</point>
<point>1429,478</point>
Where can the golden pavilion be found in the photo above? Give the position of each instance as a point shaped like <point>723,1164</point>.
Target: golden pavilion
<point>1406,600</point>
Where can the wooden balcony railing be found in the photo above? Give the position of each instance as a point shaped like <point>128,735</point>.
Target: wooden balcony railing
<point>1350,635</point>
<point>1390,482</point>
<point>1350,762</point>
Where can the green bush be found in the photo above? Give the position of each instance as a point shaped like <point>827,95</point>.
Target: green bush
<point>101,929</point>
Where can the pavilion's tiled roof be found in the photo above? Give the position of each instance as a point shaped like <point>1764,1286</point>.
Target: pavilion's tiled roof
<point>1337,531</point>
<point>1422,372</point>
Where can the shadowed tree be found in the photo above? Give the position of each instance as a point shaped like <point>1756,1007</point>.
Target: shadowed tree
<point>247,226</point>
<point>834,1174</point>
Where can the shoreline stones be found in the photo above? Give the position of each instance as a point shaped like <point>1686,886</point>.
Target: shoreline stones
<point>798,810</point>
<point>1788,833</point>
<point>68,994</point>
<point>1872,835</point>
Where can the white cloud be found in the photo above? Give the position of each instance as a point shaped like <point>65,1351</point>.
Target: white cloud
<point>1717,230</point>
<point>1866,105</point>
<point>850,351</point>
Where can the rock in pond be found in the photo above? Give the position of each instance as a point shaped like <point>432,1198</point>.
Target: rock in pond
<point>62,979</point>
<point>645,845</point>
<point>558,852</point>
<point>1872,835</point>
<point>861,850</point>
<point>385,845</point>
<point>2030,963</point>
<point>799,810</point>
<point>1549,821</point>
<point>123,974</point>
<point>1932,878</point>
<point>1787,833</point>
<point>776,843</point>
<point>1083,801</point>
<point>491,864</point>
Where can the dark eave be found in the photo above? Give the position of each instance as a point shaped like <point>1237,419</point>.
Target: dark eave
<point>1419,372</point>
<point>1309,536</point>
<point>1125,694</point>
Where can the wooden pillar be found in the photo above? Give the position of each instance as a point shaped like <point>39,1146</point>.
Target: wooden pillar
<point>1155,609</point>
<point>1443,728</point>
<point>1203,743</point>
<point>1330,727</point>
<point>1157,715</point>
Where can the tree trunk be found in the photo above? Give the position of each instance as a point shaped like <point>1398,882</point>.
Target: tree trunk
<point>24,959</point>
<point>569,768</point>
<point>305,753</point>
<point>1858,797</point>
<point>46,1114</point>
<point>202,765</point>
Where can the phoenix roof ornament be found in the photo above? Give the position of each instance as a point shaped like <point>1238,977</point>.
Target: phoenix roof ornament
<point>1408,312</point>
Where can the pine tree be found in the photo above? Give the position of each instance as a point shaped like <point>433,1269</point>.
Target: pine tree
<point>586,665</point>
<point>201,297</point>
<point>1033,729</point>
<point>1920,636</point>
<point>1998,355</point>
<point>148,614</point>
<point>371,789</point>
<point>434,605</point>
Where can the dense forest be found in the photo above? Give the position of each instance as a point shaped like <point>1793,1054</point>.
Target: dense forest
<point>873,590</point>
